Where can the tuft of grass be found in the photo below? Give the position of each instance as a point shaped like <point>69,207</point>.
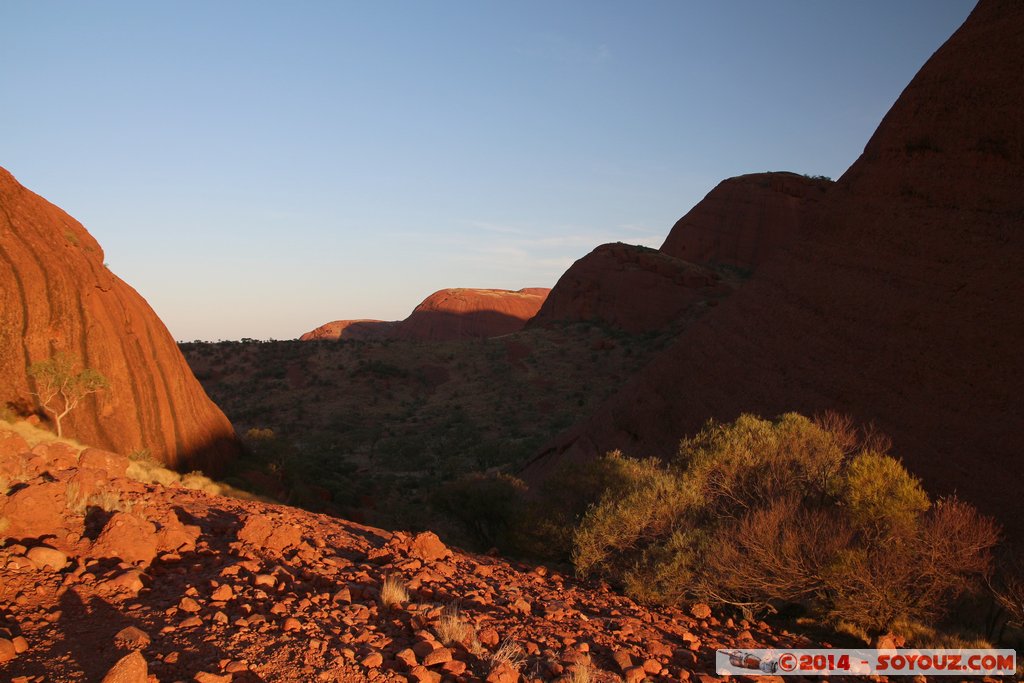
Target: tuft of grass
<point>921,635</point>
<point>143,468</point>
<point>509,653</point>
<point>452,629</point>
<point>583,672</point>
<point>393,592</point>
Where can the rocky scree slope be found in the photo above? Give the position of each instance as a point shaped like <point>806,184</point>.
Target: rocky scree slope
<point>106,578</point>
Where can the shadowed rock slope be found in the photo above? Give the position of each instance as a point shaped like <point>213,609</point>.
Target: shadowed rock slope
<point>745,219</point>
<point>631,288</point>
<point>898,301</point>
<point>447,315</point>
<point>709,251</point>
<point>56,295</point>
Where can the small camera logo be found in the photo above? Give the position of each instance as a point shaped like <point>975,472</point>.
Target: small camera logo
<point>747,660</point>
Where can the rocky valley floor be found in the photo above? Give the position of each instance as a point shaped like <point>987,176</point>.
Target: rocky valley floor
<point>106,578</point>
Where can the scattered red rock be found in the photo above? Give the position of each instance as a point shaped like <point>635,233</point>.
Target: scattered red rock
<point>131,668</point>
<point>428,547</point>
<point>127,537</point>
<point>263,531</point>
<point>132,638</point>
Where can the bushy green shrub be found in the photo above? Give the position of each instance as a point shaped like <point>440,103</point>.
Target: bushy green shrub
<point>759,514</point>
<point>643,504</point>
<point>880,495</point>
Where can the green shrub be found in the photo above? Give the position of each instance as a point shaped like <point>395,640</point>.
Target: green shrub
<point>761,514</point>
<point>642,507</point>
<point>881,496</point>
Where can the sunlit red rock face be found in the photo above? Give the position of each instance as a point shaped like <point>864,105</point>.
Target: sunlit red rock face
<point>447,315</point>
<point>729,233</point>
<point>899,302</point>
<point>57,295</point>
<point>471,313</point>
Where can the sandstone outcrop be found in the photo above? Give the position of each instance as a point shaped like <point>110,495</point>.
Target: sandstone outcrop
<point>57,295</point>
<point>447,315</point>
<point>745,219</point>
<point>708,253</point>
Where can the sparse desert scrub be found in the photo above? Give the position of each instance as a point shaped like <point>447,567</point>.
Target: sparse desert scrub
<point>393,592</point>
<point>487,505</point>
<point>759,514</point>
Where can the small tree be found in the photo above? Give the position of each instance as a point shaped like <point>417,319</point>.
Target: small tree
<point>60,388</point>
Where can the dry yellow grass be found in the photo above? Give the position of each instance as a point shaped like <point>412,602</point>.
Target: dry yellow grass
<point>582,672</point>
<point>142,469</point>
<point>509,653</point>
<point>36,435</point>
<point>452,629</point>
<point>393,592</point>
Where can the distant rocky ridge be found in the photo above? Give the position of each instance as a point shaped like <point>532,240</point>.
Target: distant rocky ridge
<point>446,315</point>
<point>896,299</point>
<point>57,295</point>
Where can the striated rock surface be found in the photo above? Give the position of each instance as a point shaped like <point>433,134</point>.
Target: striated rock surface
<point>898,302</point>
<point>447,315</point>
<point>633,288</point>
<point>56,295</point>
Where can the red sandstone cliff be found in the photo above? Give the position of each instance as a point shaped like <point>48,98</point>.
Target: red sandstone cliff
<point>57,295</point>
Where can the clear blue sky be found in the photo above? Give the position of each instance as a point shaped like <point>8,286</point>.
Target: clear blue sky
<point>256,169</point>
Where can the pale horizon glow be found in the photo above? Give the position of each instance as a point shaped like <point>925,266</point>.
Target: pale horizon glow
<point>258,169</point>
